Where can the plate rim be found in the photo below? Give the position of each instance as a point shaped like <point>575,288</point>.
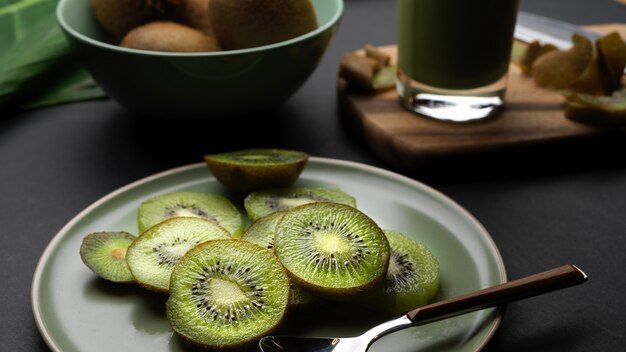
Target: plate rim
<point>52,245</point>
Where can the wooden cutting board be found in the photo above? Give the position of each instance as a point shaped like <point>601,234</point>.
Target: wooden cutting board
<point>402,138</point>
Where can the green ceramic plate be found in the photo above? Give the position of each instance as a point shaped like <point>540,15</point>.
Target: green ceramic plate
<point>75,311</point>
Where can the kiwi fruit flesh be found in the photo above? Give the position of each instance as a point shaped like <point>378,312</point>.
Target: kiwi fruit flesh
<point>261,232</point>
<point>152,256</point>
<point>105,254</point>
<point>189,204</point>
<point>251,23</point>
<point>332,249</point>
<point>170,37</point>
<point>412,279</point>
<point>265,202</point>
<point>227,294</point>
<point>255,169</point>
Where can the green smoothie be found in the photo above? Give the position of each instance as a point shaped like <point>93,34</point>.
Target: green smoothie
<point>455,44</point>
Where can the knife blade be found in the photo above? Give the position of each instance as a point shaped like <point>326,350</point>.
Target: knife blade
<point>531,27</point>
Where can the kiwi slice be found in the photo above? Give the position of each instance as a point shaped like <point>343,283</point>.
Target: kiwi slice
<point>227,294</point>
<point>412,279</point>
<point>331,248</point>
<point>261,232</point>
<point>105,254</point>
<point>209,206</point>
<point>255,169</point>
<point>153,255</point>
<point>261,203</point>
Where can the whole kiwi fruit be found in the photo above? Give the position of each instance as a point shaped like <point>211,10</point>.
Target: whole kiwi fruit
<point>169,36</point>
<point>118,17</point>
<point>250,23</point>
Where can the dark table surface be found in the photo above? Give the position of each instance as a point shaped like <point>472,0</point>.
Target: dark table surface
<point>544,206</point>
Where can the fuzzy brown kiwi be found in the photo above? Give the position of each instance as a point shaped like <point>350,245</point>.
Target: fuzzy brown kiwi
<point>118,17</point>
<point>169,36</point>
<point>250,23</point>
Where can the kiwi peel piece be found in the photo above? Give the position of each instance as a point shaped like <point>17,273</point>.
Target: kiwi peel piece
<point>261,203</point>
<point>608,111</point>
<point>153,255</point>
<point>560,69</point>
<point>227,294</point>
<point>105,254</point>
<point>254,169</point>
<point>412,279</point>
<point>188,204</point>
<point>332,249</point>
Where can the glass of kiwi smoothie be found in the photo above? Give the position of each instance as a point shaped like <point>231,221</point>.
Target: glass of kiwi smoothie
<point>453,56</point>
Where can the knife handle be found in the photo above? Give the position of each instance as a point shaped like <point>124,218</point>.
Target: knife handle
<point>536,284</point>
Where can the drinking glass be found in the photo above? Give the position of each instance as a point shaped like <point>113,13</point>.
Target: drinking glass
<point>453,56</point>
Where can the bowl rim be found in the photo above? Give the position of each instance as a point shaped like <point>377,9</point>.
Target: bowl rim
<point>321,29</point>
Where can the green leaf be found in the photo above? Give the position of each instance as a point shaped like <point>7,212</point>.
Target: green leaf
<point>36,65</point>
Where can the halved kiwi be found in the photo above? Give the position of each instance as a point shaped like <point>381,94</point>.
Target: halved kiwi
<point>105,254</point>
<point>333,249</point>
<point>412,279</point>
<point>254,169</point>
<point>153,254</point>
<point>209,206</point>
<point>261,232</point>
<point>261,203</point>
<point>227,294</point>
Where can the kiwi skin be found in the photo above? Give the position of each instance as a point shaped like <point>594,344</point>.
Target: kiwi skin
<point>169,36</point>
<point>250,23</point>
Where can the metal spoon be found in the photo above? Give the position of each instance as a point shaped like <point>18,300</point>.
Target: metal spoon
<point>551,280</point>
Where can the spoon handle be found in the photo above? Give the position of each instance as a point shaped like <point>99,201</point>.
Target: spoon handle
<point>536,284</point>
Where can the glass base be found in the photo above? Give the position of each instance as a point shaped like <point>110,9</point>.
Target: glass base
<point>451,105</point>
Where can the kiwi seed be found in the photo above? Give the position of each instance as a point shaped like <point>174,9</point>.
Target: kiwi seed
<point>105,254</point>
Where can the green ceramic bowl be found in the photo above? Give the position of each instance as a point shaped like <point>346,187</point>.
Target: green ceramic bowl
<point>205,85</point>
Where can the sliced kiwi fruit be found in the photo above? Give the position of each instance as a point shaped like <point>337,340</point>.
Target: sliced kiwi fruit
<point>333,249</point>
<point>153,255</point>
<point>265,202</point>
<point>105,254</point>
<point>261,232</point>
<point>254,169</point>
<point>227,294</point>
<point>250,23</point>
<point>188,204</point>
<point>412,279</point>
<point>170,37</point>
